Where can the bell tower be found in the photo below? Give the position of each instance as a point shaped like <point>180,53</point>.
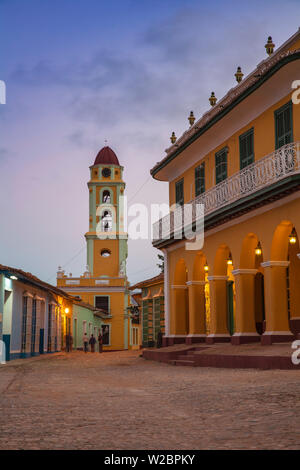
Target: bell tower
<point>106,240</point>
<point>104,283</point>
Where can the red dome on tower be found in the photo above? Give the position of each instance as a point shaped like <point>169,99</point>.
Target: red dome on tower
<point>106,156</point>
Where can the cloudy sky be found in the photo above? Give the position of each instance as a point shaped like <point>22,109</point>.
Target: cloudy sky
<point>81,71</point>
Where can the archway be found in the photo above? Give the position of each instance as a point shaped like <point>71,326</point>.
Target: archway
<point>222,290</point>
<point>249,292</point>
<point>106,197</point>
<point>281,296</point>
<point>197,301</point>
<point>180,317</point>
<point>106,221</point>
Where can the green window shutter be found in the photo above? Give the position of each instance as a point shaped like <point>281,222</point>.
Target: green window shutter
<point>200,179</point>
<point>145,321</point>
<point>284,125</point>
<point>179,196</point>
<point>156,315</point>
<point>246,148</point>
<point>221,165</point>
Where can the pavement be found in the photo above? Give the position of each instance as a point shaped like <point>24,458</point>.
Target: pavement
<point>118,400</point>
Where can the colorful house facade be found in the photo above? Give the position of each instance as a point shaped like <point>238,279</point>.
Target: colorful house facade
<point>152,308</point>
<point>86,319</point>
<point>104,284</point>
<point>135,322</point>
<point>242,161</point>
<point>35,317</point>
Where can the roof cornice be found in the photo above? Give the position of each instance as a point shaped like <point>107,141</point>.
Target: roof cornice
<point>262,73</point>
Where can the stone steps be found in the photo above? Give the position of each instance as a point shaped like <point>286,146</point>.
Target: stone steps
<point>185,357</point>
<point>228,356</point>
<point>184,362</point>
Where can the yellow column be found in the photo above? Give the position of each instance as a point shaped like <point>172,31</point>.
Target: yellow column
<point>277,322</point>
<point>245,327</point>
<point>218,309</point>
<point>179,324</point>
<point>295,294</point>
<point>196,294</point>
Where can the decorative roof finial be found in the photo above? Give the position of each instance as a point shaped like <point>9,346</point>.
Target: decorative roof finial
<point>270,46</point>
<point>173,138</point>
<point>191,118</point>
<point>212,99</point>
<point>239,75</point>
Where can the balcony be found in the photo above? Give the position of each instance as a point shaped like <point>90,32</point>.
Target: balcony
<point>267,179</point>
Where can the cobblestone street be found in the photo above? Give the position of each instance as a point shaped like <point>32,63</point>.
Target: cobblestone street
<point>121,401</point>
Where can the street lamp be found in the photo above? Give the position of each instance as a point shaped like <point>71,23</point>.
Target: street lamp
<point>293,237</point>
<point>229,260</point>
<point>258,249</point>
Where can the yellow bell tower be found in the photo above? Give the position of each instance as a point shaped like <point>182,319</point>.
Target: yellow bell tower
<point>106,240</point>
<point>104,283</point>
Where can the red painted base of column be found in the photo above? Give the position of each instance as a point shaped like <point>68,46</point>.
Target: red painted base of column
<point>195,339</point>
<point>295,325</point>
<point>244,339</point>
<point>171,340</point>
<point>217,339</point>
<point>267,340</point>
<point>179,339</point>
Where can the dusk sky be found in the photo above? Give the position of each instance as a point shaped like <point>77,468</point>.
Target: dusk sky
<point>78,72</point>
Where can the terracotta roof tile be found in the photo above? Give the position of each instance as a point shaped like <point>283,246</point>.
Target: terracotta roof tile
<point>152,280</point>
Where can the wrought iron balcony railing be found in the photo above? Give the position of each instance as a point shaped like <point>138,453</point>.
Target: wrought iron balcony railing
<point>261,174</point>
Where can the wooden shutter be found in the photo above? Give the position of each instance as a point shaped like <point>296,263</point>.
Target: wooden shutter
<point>246,149</point>
<point>102,303</point>
<point>200,179</point>
<point>179,193</point>
<point>283,125</point>
<point>221,165</point>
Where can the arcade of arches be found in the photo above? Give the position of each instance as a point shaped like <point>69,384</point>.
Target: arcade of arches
<point>243,289</point>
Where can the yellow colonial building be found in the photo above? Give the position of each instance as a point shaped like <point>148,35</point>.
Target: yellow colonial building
<point>241,161</point>
<point>104,283</point>
<point>151,300</point>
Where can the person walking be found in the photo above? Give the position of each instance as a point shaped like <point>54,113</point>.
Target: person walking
<point>67,339</point>
<point>85,341</point>
<point>92,343</point>
<point>71,343</point>
<point>100,341</point>
<point>159,339</point>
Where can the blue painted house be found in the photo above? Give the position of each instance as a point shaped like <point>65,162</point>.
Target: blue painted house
<point>35,317</point>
